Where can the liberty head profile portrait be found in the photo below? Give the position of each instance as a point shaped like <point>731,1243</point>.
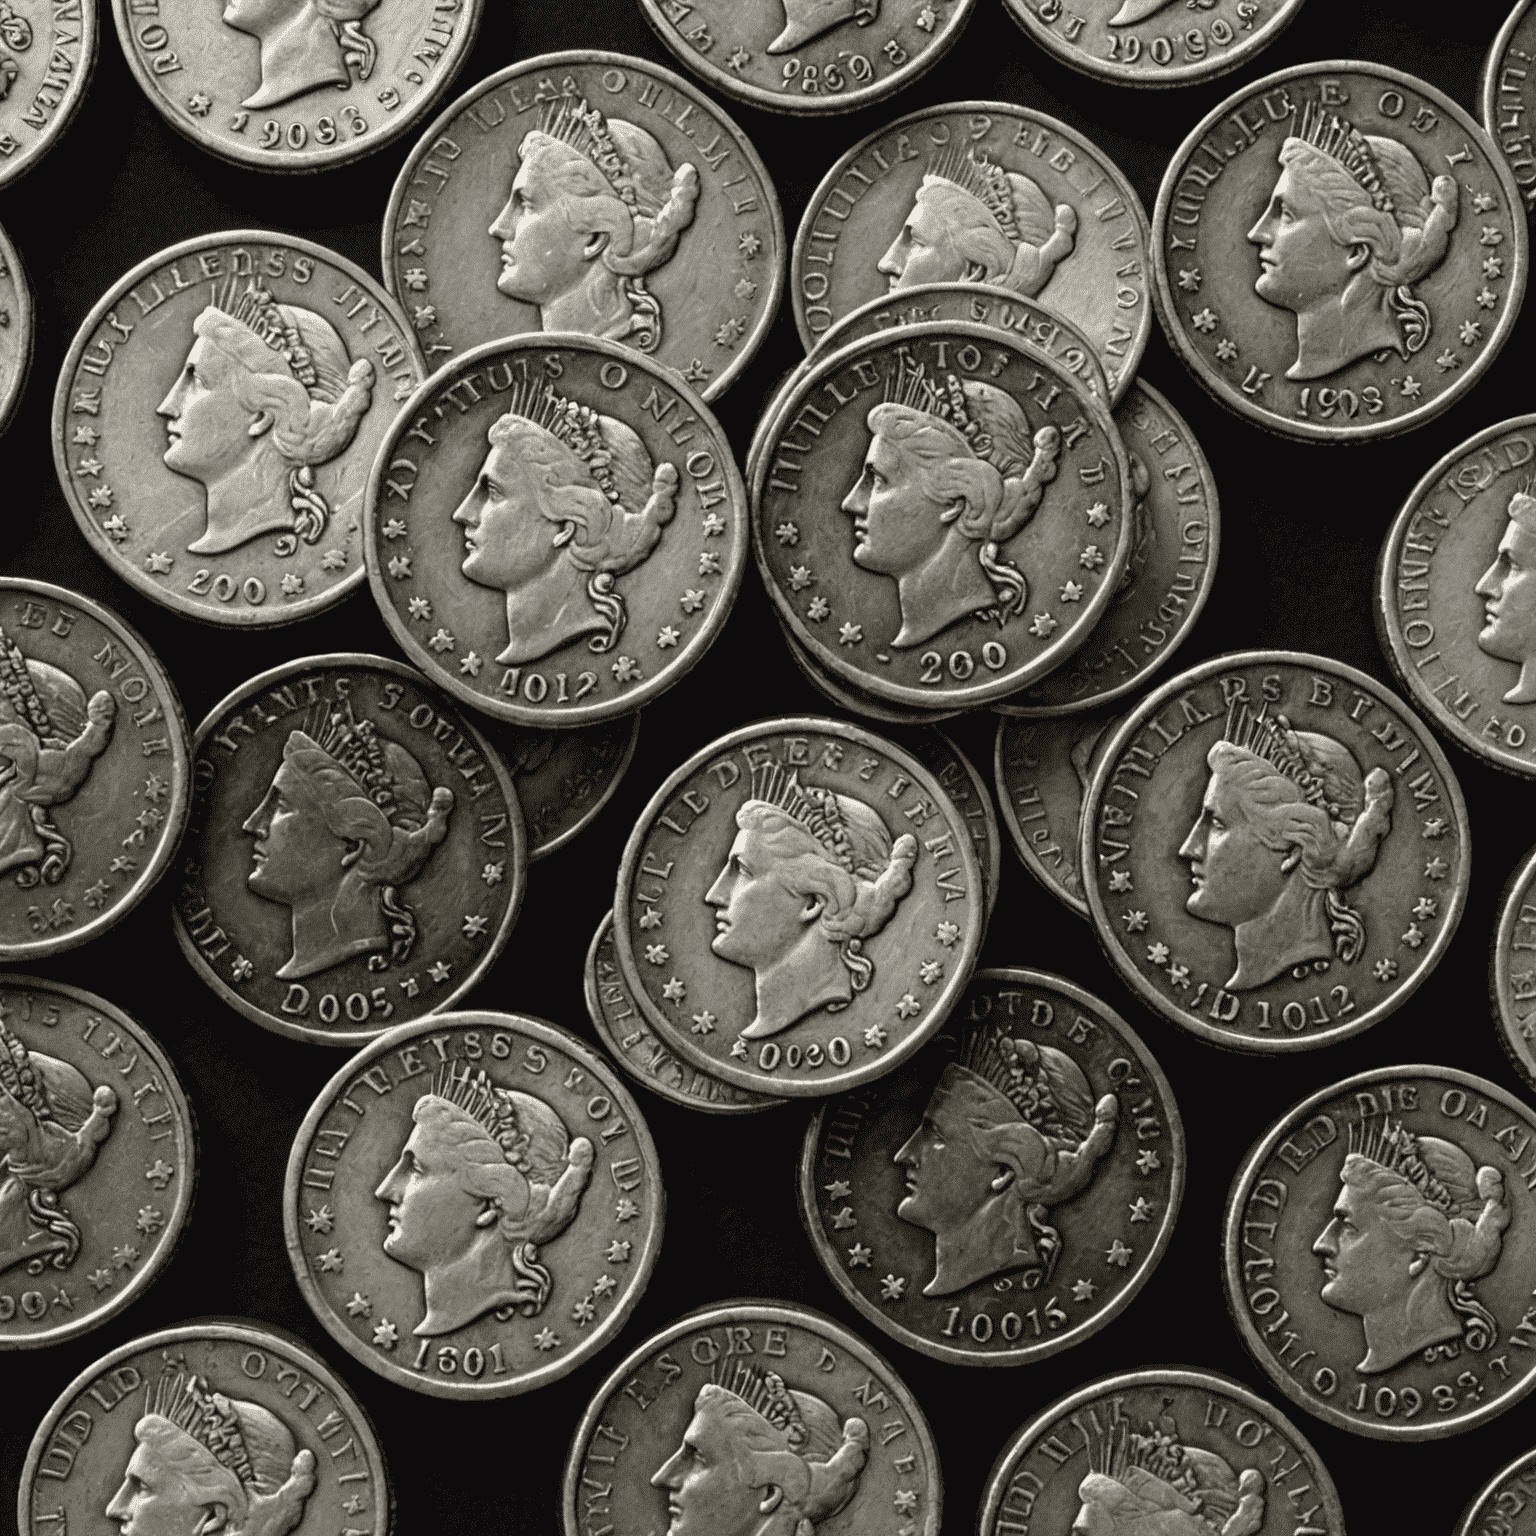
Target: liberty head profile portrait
<point>1010,1130</point>
<point>1416,1223</point>
<point>565,503</point>
<point>1288,823</point>
<point>348,819</point>
<point>203,1462</point>
<point>304,44</point>
<point>267,394</point>
<point>952,473</point>
<point>1351,225</point>
<point>1508,590</point>
<point>810,876</point>
<point>486,1175</point>
<point>806,20</point>
<point>759,1458</point>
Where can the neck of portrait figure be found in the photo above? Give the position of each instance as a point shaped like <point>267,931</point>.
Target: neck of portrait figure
<point>19,1234</point>
<point>299,50</point>
<point>19,842</point>
<point>1508,590</point>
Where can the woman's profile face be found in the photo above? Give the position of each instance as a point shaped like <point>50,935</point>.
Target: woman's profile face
<point>924,251</point>
<point>1365,1263</point>
<point>1235,877</point>
<point>1300,263</point>
<point>508,544</point>
<point>758,919</point>
<point>1094,1520</point>
<point>260,18</point>
<point>896,529</point>
<point>705,1494</point>
<point>947,1183</point>
<point>207,429</point>
<point>152,1500</point>
<point>296,854</point>
<point>431,1216</point>
<point>542,254</point>
<point>1508,590</point>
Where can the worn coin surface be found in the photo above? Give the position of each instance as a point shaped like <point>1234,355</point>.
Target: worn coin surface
<point>1497,1509</point>
<point>595,193</point>
<point>96,788</point>
<point>829,907</point>
<point>474,1205</point>
<point>1511,972</point>
<point>229,1421</point>
<point>356,856</point>
<point>100,1166</point>
<point>846,696</point>
<point>1275,851</point>
<point>17,325</point>
<point>1339,252</point>
<point>216,417</point>
<point>1506,96</point>
<point>746,1396</point>
<point>970,795</point>
<point>1126,1451</point>
<point>556,529</point>
<point>1378,1248</point>
<point>1009,1190</point>
<point>46,63</point>
<point>934,601</point>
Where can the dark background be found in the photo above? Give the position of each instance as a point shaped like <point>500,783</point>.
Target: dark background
<point>1301,527</point>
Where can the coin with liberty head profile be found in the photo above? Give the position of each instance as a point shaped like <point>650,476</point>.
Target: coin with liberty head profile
<point>46,64</point>
<point>1506,93</point>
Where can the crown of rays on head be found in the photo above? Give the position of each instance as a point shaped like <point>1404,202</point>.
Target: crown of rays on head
<point>578,426</point>
<point>1345,145</point>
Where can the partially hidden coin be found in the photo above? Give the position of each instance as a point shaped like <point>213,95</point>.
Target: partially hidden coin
<point>970,795</point>
<point>357,855</point>
<point>564,778</point>
<point>474,1205</point>
<point>16,334</point>
<point>1275,851</point>
<point>1339,252</point>
<point>751,1402</point>
<point>224,1420</point>
<point>1128,1449</point>
<point>101,1166</point>
<point>556,529</point>
<point>1498,1505</point>
<point>1506,96</point>
<point>856,702</point>
<point>50,64</point>
<point>1007,1192</point>
<point>777,821</point>
<point>1377,1251</point>
<point>215,419</point>
<point>595,193</point>
<point>1512,971</point>
<point>98,789</point>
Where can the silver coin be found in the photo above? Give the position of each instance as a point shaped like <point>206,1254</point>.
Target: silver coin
<point>564,778</point>
<point>591,193</point>
<point>1307,330</point>
<point>1511,974</point>
<point>17,325</point>
<point>1506,94</point>
<point>356,858</point>
<point>462,1236</point>
<point>1499,1504</point>
<point>1377,1252</point>
<point>46,70</point>
<point>970,795</point>
<point>101,1162</point>
<point>846,696</point>
<point>215,418</point>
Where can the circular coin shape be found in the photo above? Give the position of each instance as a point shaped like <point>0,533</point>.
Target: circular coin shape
<point>357,855</point>
<point>731,975</point>
<point>217,1417</point>
<point>1300,330</point>
<point>1506,96</point>
<point>1494,1510</point>
<point>1275,851</point>
<point>1036,1075</point>
<point>646,518</point>
<point>845,696</point>
<point>16,336</point>
<point>477,242</point>
<point>1511,975</point>
<point>102,1167</point>
<point>1330,1204</point>
<point>100,776</point>
<point>1164,1440</point>
<point>47,78</point>
<point>224,511</point>
<point>792,1401</point>
<point>1055,216</point>
<point>430,1290</point>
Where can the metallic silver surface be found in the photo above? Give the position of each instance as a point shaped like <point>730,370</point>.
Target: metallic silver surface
<point>49,61</point>
<point>17,324</point>
<point>564,779</point>
<point>1511,976</point>
<point>1506,94</point>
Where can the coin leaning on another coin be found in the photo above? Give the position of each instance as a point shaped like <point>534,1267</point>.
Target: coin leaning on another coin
<point>1506,95</point>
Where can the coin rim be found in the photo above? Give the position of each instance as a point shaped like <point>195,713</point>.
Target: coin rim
<point>64,115</point>
<point>1485,93</point>
<point>842,696</point>
<point>544,850</point>
<point>1016,830</point>
<point>1475,1507</point>
<point>1499,967</point>
<point>992,875</point>
<point>11,398</point>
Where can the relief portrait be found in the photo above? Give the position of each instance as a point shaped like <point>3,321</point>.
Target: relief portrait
<point>806,20</point>
<point>1508,590</point>
<point>304,44</point>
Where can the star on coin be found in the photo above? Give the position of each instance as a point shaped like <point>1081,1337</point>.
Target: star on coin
<point>1148,1162</point>
<point>691,602</point>
<point>423,315</point>
<point>1435,868</point>
<point>1491,235</point>
<point>159,1173</point>
<point>1179,975</point>
<point>1071,592</point>
<point>713,525</point>
<point>1436,826</point>
<point>439,972</point>
<point>1120,881</point>
<point>1135,922</point>
<point>125,1257</point>
<point>1119,1253</point>
<point>385,1334</point>
<point>1098,514</point>
<point>1483,202</point>
<point>858,1256</point>
<point>1091,558</point>
<point>749,245</point>
<point>843,1219</point>
<point>946,934</point>
<point>1205,321</point>
<point>929,972</point>
<point>394,528</point>
<point>400,567</point>
<point>1470,331</point>
<point>604,1285</point>
<point>745,290</point>
<point>354,1505</point>
<point>100,1279</point>
<point>817,609</point>
<point>101,496</point>
<point>149,1220</point>
<point>1414,936</point>
<point>905,1502</point>
<point>1189,279</point>
<point>730,332</point>
<point>907,1006</point>
<point>420,608</point>
<point>874,1037</point>
<point>199,104</point>
<point>838,1189</point>
<point>86,435</point>
<point>442,641</point>
<point>96,895</point>
<point>650,918</point>
<point>738,60</point>
<point>121,865</point>
<point>1447,360</point>
<point>1158,954</point>
<point>674,991</point>
<point>474,926</point>
<point>893,1288</point>
<point>1044,624</point>
<point>618,1252</point>
<point>1493,266</point>
<point>115,528</point>
<point>88,467</point>
<point>1385,970</point>
<point>625,1210</point>
<point>333,560</point>
<point>1426,907</point>
<point>493,874</point>
<point>1141,1209</point>
<point>545,1340</point>
<point>241,968</point>
<point>1083,1290</point>
<point>800,578</point>
<point>696,372</point>
<point>1226,349</point>
<point>149,818</point>
<point>704,1023</point>
<point>583,1312</point>
<point>668,637</point>
<point>787,533</point>
<point>850,634</point>
<point>626,669</point>
<point>1486,299</point>
<point>1411,387</point>
<point>415,279</point>
<point>330,1261</point>
<point>657,954</point>
<point>470,664</point>
<point>739,1048</point>
<point>359,1306</point>
<point>292,585</point>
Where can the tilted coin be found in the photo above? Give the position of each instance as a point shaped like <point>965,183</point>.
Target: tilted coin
<point>1512,972</point>
<point>1506,95</point>
<point>1008,1191</point>
<point>216,417</point>
<point>1275,851</point>
<point>846,696</point>
<point>1378,1247</point>
<point>556,530</point>
<point>1382,261</point>
<point>100,1166</point>
<point>16,333</point>
<point>356,857</point>
<point>231,1422</point>
<point>46,73</point>
<point>1506,1497</point>
<point>593,193</point>
<point>829,907</point>
<point>473,1205</point>
<point>754,1418</point>
<point>564,778</point>
<point>95,798</point>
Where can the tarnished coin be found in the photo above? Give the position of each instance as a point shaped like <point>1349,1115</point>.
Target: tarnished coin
<point>1506,96</point>
<point>1378,1247</point>
<point>1512,971</point>
<point>95,787</point>
<point>986,191</point>
<point>632,1043</point>
<point>1007,1192</point>
<point>215,453</point>
<point>746,1404</point>
<point>357,855</point>
<point>564,778</point>
<point>1161,1450</point>
<point>830,907</point>
<point>17,326</point>
<point>213,1426</point>
<point>99,1161</point>
<point>1497,1509</point>
<point>593,193</point>
<point>970,795</point>
<point>47,63</point>
<point>556,530</point>
<point>1357,268</point>
<point>846,696</point>
<point>1275,851</point>
<point>473,1205</point>
<point>941,517</point>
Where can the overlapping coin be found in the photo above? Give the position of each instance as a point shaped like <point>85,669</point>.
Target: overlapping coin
<point>845,696</point>
<point>1502,1501</point>
<point>48,60</point>
<point>1512,972</point>
<point>564,778</point>
<point>968,793</point>
<point>16,330</point>
<point>1506,94</point>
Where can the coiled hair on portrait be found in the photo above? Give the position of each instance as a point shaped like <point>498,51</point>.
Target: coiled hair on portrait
<point>359,52</point>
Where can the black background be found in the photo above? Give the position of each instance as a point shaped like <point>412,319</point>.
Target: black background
<point>1301,527</point>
